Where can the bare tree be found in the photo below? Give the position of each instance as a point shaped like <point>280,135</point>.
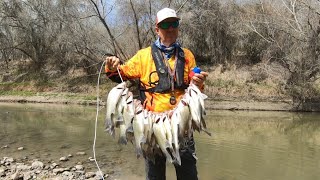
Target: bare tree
<point>205,31</point>
<point>291,28</point>
<point>101,14</point>
<point>136,24</point>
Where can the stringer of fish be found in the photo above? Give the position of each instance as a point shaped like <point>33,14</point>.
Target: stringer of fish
<point>155,133</point>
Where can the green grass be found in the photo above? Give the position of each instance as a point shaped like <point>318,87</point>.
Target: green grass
<point>90,98</point>
<point>13,84</point>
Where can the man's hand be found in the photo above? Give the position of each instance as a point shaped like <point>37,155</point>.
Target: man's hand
<point>198,79</point>
<point>112,62</point>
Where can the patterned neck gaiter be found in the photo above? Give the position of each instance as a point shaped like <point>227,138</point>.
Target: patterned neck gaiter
<point>168,51</point>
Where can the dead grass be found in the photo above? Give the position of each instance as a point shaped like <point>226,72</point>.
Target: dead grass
<point>258,82</point>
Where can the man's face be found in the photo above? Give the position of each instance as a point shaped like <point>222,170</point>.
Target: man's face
<point>170,34</point>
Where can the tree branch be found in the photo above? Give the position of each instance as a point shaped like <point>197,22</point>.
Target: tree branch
<point>117,49</point>
<point>136,24</point>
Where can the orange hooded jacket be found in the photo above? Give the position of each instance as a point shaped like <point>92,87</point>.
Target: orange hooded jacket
<point>141,66</point>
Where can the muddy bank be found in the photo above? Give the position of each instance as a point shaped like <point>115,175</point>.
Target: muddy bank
<point>234,104</point>
<point>46,99</point>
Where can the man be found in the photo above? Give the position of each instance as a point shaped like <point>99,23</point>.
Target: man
<point>163,71</point>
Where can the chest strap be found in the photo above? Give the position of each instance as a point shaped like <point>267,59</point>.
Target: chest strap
<point>164,84</point>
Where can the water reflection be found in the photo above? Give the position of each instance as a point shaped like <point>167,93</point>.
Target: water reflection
<point>245,145</point>
<point>262,145</point>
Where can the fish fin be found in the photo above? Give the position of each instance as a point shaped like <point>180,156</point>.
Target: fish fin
<point>108,122</point>
<point>204,112</point>
<point>203,122</point>
<point>129,129</point>
<point>206,131</point>
<point>195,126</point>
<point>177,160</point>
<point>203,96</point>
<point>113,133</point>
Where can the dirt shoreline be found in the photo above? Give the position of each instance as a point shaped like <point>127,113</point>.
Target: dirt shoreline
<point>211,104</point>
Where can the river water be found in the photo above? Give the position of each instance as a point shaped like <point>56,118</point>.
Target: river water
<point>245,145</point>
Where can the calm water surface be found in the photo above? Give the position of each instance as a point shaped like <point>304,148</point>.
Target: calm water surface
<point>244,146</point>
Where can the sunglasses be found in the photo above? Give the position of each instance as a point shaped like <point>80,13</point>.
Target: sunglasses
<point>166,25</point>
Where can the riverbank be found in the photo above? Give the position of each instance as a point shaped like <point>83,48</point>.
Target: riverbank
<point>26,169</point>
<point>228,88</point>
<point>212,104</point>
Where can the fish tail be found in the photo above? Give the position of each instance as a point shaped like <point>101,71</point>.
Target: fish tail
<point>143,140</point>
<point>110,130</point>
<point>123,140</point>
<point>130,136</point>
<point>113,133</point>
<point>168,156</point>
<point>108,122</point>
<point>170,151</point>
<point>139,151</point>
<point>177,160</point>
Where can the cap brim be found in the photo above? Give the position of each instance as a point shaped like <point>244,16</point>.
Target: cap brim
<point>167,18</point>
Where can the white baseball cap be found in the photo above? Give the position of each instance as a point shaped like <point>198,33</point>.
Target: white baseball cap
<point>166,13</point>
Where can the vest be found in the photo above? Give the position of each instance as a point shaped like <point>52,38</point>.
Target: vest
<point>164,83</point>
